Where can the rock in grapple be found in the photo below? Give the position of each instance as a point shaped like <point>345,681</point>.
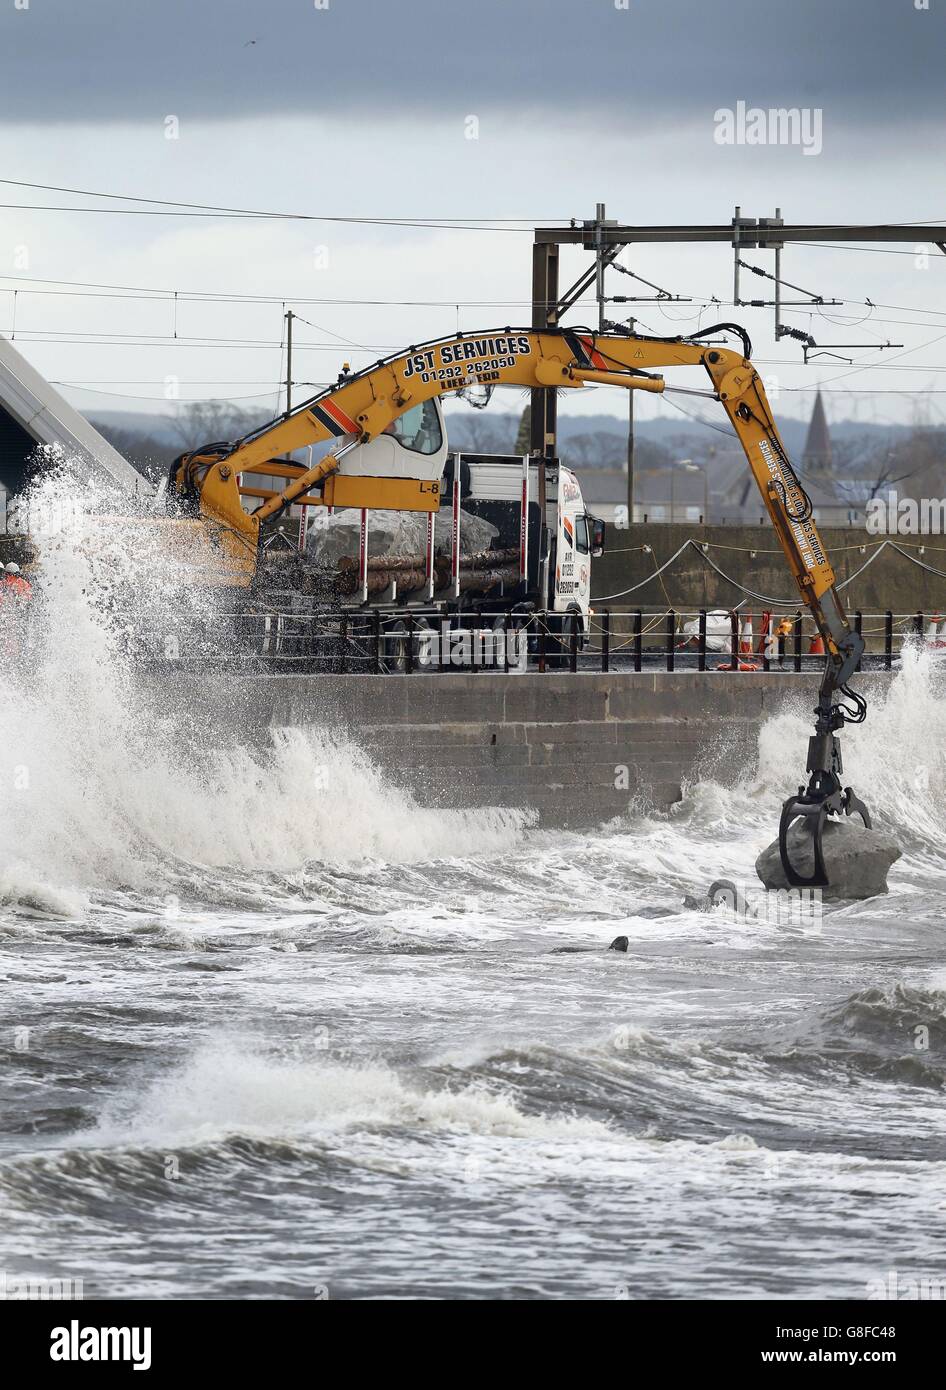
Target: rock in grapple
<point>857,859</point>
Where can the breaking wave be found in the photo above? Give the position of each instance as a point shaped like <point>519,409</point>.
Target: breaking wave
<point>105,783</point>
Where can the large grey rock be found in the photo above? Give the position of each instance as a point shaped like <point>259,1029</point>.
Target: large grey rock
<point>856,859</point>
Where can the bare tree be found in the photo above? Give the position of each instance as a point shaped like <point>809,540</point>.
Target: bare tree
<point>608,449</point>
<point>206,422</point>
<point>919,457</point>
<point>597,449</point>
<point>150,455</point>
<point>480,435</point>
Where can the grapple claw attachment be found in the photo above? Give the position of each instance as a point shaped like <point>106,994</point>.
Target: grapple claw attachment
<point>814,813</point>
<point>813,809</point>
<point>854,806</point>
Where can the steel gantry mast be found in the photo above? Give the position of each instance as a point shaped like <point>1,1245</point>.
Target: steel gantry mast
<point>606,238</point>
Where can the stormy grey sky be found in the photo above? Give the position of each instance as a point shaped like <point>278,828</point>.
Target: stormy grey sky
<point>118,61</point>
<point>362,108</point>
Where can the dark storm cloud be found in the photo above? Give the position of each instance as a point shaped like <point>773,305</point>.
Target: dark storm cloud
<point>636,70</point>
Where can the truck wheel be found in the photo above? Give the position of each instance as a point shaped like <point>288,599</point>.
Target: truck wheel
<point>397,645</point>
<point>559,640</point>
<point>395,649</point>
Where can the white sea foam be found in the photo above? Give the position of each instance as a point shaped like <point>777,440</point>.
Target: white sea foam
<point>227,1090</point>
<point>100,787</point>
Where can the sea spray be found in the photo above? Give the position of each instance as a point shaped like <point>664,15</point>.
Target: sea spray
<point>110,773</point>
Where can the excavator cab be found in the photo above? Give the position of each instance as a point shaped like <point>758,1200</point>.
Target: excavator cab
<point>414,445</point>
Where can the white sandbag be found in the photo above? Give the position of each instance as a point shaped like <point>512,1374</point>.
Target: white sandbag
<point>718,631</point>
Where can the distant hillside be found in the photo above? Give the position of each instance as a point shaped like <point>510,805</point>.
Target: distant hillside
<point>150,439</point>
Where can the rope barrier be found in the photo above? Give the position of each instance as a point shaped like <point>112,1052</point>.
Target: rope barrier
<point>879,548</point>
<point>604,598</point>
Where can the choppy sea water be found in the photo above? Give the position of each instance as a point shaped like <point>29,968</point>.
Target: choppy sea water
<point>272,1029</point>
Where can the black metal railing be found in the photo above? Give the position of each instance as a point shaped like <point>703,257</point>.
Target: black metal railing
<point>413,640</point>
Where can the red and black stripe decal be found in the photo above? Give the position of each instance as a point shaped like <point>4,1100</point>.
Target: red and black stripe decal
<point>334,419</point>
<point>584,351</point>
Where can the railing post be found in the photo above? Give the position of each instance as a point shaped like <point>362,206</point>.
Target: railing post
<point>671,634</point>
<point>606,640</point>
<point>888,641</point>
<point>638,638</point>
<point>376,625</point>
<point>343,638</point>
<point>573,644</point>
<point>543,640</point>
<point>858,628</point>
<point>918,623</point>
<point>506,641</point>
<point>410,643</point>
<point>734,636</point>
<point>796,633</point>
<point>701,643</point>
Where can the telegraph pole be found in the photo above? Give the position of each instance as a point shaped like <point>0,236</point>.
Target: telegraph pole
<point>604,257</point>
<point>600,264</point>
<point>289,318</point>
<point>630,446</point>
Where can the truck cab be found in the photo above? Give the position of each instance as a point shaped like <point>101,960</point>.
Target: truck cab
<point>494,487</point>
<point>574,542</point>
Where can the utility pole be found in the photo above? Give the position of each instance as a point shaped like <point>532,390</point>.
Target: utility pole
<point>606,256</point>
<point>599,263</point>
<point>543,400</point>
<point>631,323</point>
<point>289,318</point>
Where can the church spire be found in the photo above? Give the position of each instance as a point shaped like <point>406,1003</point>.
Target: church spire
<point>816,460</point>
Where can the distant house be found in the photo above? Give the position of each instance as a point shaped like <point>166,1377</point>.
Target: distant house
<point>736,497</point>
<point>660,494</point>
<point>718,486</point>
<point>604,490</point>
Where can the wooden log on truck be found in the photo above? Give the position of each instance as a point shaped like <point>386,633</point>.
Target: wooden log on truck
<point>483,559</point>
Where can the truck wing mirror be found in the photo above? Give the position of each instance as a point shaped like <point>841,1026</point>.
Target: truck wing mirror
<point>596,528</point>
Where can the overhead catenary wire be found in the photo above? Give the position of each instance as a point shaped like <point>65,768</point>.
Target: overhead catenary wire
<point>135,198</point>
<point>78,289</point>
<point>197,210</point>
<point>190,400</point>
<point>65,337</point>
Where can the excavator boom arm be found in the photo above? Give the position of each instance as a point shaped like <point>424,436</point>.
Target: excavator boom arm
<point>360,407</point>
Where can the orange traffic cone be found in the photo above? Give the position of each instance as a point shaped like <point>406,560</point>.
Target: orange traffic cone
<point>932,631</point>
<point>816,645</point>
<point>745,640</point>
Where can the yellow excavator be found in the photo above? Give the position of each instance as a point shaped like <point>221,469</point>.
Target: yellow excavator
<point>232,490</point>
